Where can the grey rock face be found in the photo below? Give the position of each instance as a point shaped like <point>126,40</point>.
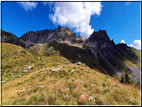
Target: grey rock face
<point>11,38</point>
<point>32,38</point>
<point>112,54</point>
<point>100,40</point>
<point>44,36</point>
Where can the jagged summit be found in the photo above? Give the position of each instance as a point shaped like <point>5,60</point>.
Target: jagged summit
<point>59,28</point>
<point>100,36</point>
<point>101,40</point>
<point>44,36</point>
<point>98,51</point>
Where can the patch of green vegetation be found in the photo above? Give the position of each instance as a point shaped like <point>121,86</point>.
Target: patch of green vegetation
<point>35,99</point>
<point>20,101</point>
<point>23,52</point>
<point>126,78</point>
<point>105,90</point>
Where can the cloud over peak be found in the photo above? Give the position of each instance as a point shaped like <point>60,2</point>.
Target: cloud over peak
<point>122,41</point>
<point>136,44</point>
<point>76,15</point>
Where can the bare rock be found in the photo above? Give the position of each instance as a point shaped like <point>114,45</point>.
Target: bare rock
<point>91,99</point>
<point>56,69</point>
<point>73,70</point>
<point>25,70</point>
<point>83,99</point>
<point>79,63</point>
<point>30,67</point>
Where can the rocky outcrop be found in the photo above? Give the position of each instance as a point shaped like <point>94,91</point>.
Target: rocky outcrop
<point>98,50</point>
<point>110,56</point>
<point>100,41</point>
<point>7,37</point>
<point>44,36</point>
<point>123,51</point>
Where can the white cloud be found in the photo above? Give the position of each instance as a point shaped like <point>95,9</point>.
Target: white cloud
<point>76,15</point>
<point>28,6</point>
<point>136,44</point>
<point>122,41</point>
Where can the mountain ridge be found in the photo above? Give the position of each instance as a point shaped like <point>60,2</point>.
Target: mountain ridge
<point>104,54</point>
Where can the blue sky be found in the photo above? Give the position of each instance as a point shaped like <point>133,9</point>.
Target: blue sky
<point>121,20</point>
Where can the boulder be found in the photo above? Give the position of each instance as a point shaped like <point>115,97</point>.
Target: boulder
<point>79,63</point>
<point>73,70</point>
<point>56,69</point>
<point>83,99</point>
<point>25,70</point>
<point>91,99</point>
<point>30,67</point>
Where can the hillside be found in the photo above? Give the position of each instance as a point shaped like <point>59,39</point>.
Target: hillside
<point>94,58</point>
<point>51,79</point>
<point>98,51</point>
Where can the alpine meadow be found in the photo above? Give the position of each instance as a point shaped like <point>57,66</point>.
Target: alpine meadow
<point>70,53</point>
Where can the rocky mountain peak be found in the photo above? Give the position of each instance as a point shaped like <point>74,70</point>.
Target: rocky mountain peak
<point>59,28</point>
<point>79,36</point>
<point>100,40</point>
<point>100,36</point>
<point>66,28</point>
<point>44,36</point>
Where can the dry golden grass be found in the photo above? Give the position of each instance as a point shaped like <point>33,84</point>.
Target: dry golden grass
<point>58,89</point>
<point>45,87</point>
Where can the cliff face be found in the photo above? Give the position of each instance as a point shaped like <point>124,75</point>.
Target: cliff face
<point>113,58</point>
<point>100,40</point>
<point>98,51</point>
<point>59,34</point>
<point>7,37</point>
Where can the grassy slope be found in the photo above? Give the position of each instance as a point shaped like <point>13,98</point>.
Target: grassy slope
<point>137,52</point>
<point>130,63</point>
<point>54,84</point>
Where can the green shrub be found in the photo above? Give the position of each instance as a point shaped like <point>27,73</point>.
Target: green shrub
<point>126,78</point>
<point>23,52</point>
<point>36,99</point>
